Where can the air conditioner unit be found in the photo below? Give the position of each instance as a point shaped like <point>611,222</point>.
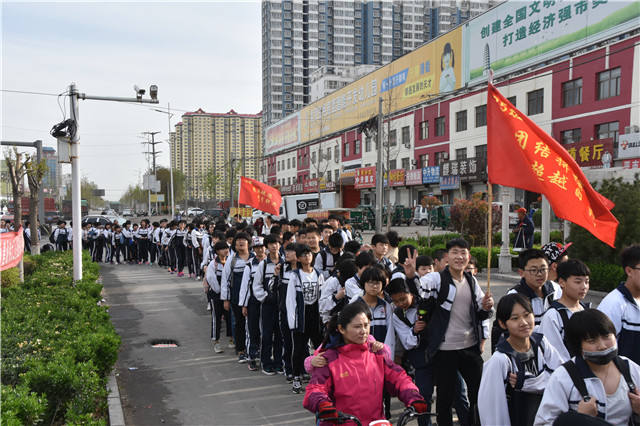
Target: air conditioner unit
<point>627,129</point>
<point>407,145</point>
<point>445,155</point>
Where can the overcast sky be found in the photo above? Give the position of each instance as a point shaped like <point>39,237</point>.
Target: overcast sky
<point>200,54</point>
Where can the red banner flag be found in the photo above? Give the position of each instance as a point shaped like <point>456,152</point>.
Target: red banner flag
<point>522,155</point>
<point>259,195</point>
<point>11,249</point>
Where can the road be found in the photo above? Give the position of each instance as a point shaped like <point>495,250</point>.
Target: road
<point>190,384</point>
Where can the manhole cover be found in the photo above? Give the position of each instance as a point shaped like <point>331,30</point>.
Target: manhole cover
<point>164,343</point>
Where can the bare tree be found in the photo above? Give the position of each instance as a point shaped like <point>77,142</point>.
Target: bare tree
<point>17,171</point>
<point>35,173</point>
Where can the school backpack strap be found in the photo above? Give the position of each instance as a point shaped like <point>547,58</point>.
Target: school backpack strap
<point>577,379</point>
<point>402,317</point>
<point>623,367</point>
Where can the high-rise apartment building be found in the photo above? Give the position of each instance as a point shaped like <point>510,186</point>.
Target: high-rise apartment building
<point>50,179</point>
<point>206,147</point>
<point>300,36</point>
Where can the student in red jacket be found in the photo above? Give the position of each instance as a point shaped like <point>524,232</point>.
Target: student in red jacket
<point>354,378</point>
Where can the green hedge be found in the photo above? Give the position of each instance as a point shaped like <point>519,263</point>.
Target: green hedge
<point>605,276</point>
<point>58,346</point>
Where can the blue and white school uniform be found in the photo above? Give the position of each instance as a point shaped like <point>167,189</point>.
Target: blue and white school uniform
<point>624,312</point>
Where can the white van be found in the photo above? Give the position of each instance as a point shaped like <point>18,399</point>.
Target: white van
<point>421,216</point>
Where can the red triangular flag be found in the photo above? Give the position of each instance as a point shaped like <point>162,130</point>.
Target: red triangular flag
<point>522,155</point>
<point>259,195</point>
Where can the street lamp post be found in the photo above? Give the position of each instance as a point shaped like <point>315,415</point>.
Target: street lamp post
<point>169,116</point>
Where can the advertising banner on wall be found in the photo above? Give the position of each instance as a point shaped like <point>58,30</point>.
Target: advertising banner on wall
<point>629,145</point>
<point>517,33</point>
<point>590,153</point>
<point>429,70</point>
<point>282,135</point>
<point>11,249</point>
<point>365,177</point>
<point>396,177</point>
<point>413,177</point>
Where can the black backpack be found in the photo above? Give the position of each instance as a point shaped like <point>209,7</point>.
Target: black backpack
<point>523,406</point>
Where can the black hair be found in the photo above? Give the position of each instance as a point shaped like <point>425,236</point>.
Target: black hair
<point>287,236</point>
<point>394,238</point>
<point>325,226</point>
<point>352,246</point>
<point>424,261</point>
<point>404,252</point>
<point>335,240</point>
<point>449,50</point>
<point>373,274</point>
<point>473,261</point>
<point>302,249</point>
<point>343,318</point>
<point>295,222</point>
<point>308,221</point>
<point>336,217</point>
<point>290,247</point>
<point>365,259</point>
<point>396,286</point>
<point>314,230</point>
<point>156,224</point>
<point>346,268</point>
<point>270,239</point>
<point>587,324</point>
<point>276,229</point>
<point>284,221</point>
<point>439,254</point>
<point>241,236</point>
<point>230,233</point>
<point>219,235</point>
<point>301,231</point>
<point>573,267</point>
<point>529,254</point>
<point>630,256</point>
<point>241,226</point>
<point>457,242</point>
<point>379,238</point>
<point>220,245</point>
<point>191,226</point>
<point>506,304</point>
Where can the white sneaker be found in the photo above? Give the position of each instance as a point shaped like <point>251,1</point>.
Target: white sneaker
<point>231,345</point>
<point>208,306</point>
<point>217,348</point>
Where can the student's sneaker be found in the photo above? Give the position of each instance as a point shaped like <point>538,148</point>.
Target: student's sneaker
<point>279,370</point>
<point>181,274</point>
<point>242,358</point>
<point>289,378</point>
<point>268,371</point>
<point>296,387</point>
<point>150,263</point>
<point>208,306</point>
<point>231,345</point>
<point>217,348</point>
<point>306,377</point>
<point>252,364</point>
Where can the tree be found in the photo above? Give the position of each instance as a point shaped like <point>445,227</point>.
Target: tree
<point>164,176</point>
<point>430,202</point>
<point>211,182</point>
<point>35,173</point>
<point>469,218</point>
<point>87,189</point>
<point>17,172</point>
<point>626,196</point>
<point>134,194</point>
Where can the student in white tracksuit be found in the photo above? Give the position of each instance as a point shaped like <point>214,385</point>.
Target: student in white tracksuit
<point>519,368</point>
<point>591,335</point>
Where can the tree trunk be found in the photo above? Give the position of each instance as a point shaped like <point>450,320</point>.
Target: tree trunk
<point>16,174</point>
<point>33,219</point>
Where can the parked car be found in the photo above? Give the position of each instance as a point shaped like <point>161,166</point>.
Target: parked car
<point>127,213</point>
<point>102,219</point>
<point>212,214</point>
<point>194,211</point>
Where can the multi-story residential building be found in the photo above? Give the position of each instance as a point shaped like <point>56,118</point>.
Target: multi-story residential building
<point>210,147</point>
<point>300,36</point>
<point>330,78</point>
<point>50,180</point>
<point>585,94</point>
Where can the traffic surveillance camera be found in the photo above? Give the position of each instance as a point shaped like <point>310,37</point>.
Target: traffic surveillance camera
<point>153,92</point>
<point>139,92</point>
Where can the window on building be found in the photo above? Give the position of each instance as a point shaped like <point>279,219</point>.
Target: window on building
<point>278,163</point>
<point>356,149</point>
<point>461,154</point>
<point>461,121</point>
<point>336,173</point>
<point>288,163</point>
<point>393,138</point>
<point>405,163</point>
<point>440,126</point>
<point>608,130</point>
<point>512,99</point>
<point>424,129</point>
<point>328,153</point>
<point>406,136</point>
<point>609,83</point>
<point>313,157</point>
<point>481,151</point>
<point>572,93</point>
<point>367,144</point>
<point>481,115</point>
<point>293,162</point>
<point>535,102</point>
<point>392,164</point>
<point>570,136</point>
<point>424,160</point>
<point>346,149</point>
<point>441,157</point>
<point>328,174</point>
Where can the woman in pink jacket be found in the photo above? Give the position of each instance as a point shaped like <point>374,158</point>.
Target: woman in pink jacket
<point>354,377</point>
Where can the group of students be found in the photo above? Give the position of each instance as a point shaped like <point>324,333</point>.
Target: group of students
<point>284,290</point>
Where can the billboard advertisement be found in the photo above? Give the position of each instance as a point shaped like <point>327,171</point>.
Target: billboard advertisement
<point>282,135</point>
<point>365,177</point>
<point>591,153</point>
<point>429,70</point>
<point>396,177</point>
<point>629,145</point>
<point>515,34</point>
<point>413,177</point>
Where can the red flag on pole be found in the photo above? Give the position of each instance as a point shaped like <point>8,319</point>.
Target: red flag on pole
<point>259,195</point>
<point>522,155</point>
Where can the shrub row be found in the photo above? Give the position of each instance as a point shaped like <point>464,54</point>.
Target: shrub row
<point>58,346</point>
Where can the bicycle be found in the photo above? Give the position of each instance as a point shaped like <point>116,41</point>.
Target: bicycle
<point>407,415</point>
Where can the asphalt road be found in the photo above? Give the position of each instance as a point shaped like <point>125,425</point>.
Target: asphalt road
<point>190,384</point>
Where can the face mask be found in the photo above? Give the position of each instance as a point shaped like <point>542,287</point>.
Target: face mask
<point>601,357</point>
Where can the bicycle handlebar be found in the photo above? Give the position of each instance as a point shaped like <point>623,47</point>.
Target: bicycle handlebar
<point>406,416</point>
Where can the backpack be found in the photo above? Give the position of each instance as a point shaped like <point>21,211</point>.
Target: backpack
<point>51,237</point>
<point>523,406</point>
<point>61,237</point>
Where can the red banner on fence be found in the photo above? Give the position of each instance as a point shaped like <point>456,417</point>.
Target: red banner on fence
<point>11,249</point>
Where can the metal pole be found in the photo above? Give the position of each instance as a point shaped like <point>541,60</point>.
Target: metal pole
<point>173,203</point>
<point>41,218</point>
<point>504,259</point>
<point>76,211</point>
<point>546,221</point>
<point>379,172</point>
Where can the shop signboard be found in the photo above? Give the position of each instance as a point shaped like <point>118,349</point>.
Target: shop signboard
<point>365,177</point>
<point>469,169</point>
<point>590,153</point>
<point>629,145</point>
<point>517,33</point>
<point>396,177</point>
<point>413,177</point>
<point>631,164</point>
<point>430,174</point>
<point>449,182</point>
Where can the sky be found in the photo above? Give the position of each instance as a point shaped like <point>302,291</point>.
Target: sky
<point>200,55</point>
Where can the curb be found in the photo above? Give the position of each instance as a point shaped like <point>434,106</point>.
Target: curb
<point>116,415</point>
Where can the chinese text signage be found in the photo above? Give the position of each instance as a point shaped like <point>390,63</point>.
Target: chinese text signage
<point>365,177</point>
<point>396,177</point>
<point>589,153</point>
<point>413,177</point>
<point>11,249</point>
<point>431,174</point>
<point>628,146</point>
<point>469,169</point>
<point>449,182</point>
